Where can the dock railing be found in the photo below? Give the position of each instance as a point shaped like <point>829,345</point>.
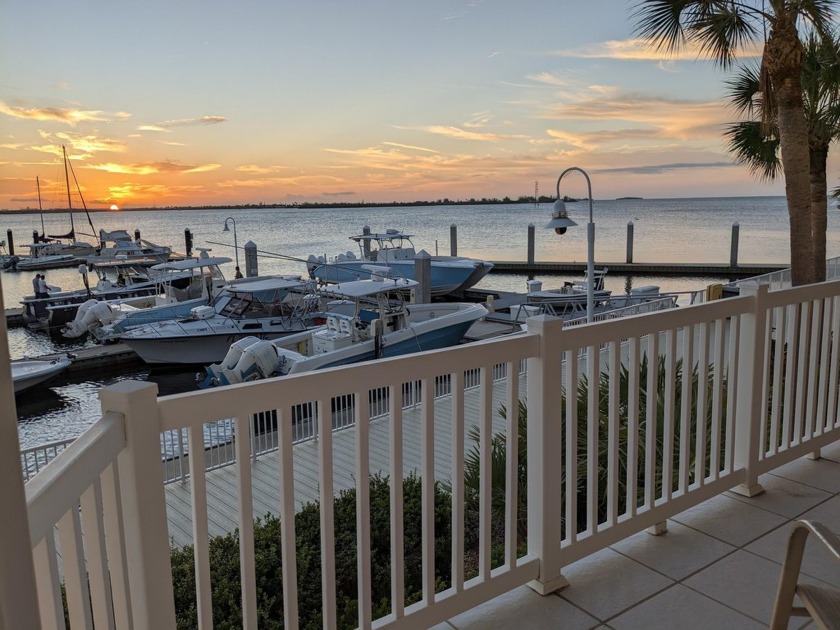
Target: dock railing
<point>679,406</point>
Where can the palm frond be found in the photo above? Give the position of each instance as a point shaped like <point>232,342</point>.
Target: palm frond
<point>757,146</point>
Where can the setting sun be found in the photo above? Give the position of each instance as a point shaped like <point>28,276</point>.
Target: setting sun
<point>114,207</point>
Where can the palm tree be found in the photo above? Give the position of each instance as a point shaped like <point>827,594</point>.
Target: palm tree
<point>723,27</point>
<point>756,143</point>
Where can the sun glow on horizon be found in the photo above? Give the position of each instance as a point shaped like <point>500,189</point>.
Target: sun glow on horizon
<point>114,208</point>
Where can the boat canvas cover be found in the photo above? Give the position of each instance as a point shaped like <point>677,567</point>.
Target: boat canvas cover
<point>191,263</point>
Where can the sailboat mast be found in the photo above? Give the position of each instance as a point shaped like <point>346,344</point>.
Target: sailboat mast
<point>67,182</point>
<point>40,209</point>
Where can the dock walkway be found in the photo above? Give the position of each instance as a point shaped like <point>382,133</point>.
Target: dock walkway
<point>222,483</point>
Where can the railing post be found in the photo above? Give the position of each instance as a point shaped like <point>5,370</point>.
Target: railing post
<point>18,601</point>
<point>143,503</point>
<point>545,508</point>
<point>749,406</point>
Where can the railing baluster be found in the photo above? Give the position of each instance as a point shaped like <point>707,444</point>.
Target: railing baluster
<point>814,376</point>
<point>46,577</point>
<point>669,414</point>
<point>457,450</point>
<point>325,479</point>
<point>511,466</point>
<point>485,472</point>
<point>802,375</point>
<point>285,464</point>
<point>778,374</point>
<point>397,528</point>
<point>686,408</point>
<point>632,475</point>
<point>613,471</point>
<point>242,442</point>
<point>201,542</point>
<point>702,406</point>
<point>572,378</point>
<point>825,349</point>
<point>115,545</point>
<point>73,564</point>
<point>427,504</point>
<point>363,551</point>
<point>97,557</point>
<point>651,397</point>
<point>718,399</point>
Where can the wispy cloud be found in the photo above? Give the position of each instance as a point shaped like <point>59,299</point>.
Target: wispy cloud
<point>657,169</point>
<point>643,50</point>
<point>56,114</point>
<point>182,122</point>
<point>255,169</point>
<point>410,147</point>
<point>153,168</point>
<point>462,134</point>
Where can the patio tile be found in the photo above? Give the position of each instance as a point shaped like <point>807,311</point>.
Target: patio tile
<point>820,473</point>
<point>828,513</point>
<point>524,609</point>
<point>607,583</point>
<point>745,582</point>
<point>784,497</point>
<point>681,607</point>
<point>730,520</point>
<point>677,553</point>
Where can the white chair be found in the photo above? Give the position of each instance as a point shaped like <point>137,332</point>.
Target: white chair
<point>819,603</point>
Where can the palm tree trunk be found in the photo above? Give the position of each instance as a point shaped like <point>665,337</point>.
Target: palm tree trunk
<point>782,58</point>
<point>819,208</point>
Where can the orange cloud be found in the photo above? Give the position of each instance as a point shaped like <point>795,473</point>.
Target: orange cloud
<point>153,168</point>
<point>643,50</point>
<point>57,114</point>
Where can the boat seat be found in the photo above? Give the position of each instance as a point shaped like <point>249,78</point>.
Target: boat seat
<point>820,603</point>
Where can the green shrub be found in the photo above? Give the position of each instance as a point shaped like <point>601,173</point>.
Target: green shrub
<point>224,561</point>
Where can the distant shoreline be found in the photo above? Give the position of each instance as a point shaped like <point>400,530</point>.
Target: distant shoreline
<point>339,205</point>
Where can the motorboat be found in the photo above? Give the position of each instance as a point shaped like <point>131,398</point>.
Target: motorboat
<point>115,280</point>
<point>394,249</point>
<point>266,308</point>
<point>182,285</point>
<point>119,245</point>
<point>572,291</point>
<point>382,325</point>
<point>27,373</point>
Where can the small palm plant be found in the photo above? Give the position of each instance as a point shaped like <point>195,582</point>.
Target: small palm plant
<point>472,460</point>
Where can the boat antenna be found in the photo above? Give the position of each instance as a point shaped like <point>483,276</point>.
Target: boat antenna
<point>69,200</point>
<point>81,197</point>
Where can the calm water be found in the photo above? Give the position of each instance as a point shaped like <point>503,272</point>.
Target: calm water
<point>666,230</point>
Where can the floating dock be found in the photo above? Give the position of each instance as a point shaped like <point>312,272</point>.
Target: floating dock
<point>639,269</point>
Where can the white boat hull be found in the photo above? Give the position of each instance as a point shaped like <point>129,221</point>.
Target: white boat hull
<point>27,373</point>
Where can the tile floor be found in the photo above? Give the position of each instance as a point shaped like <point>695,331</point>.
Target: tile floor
<point>716,567</point>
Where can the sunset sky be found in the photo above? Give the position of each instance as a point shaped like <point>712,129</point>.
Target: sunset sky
<point>201,102</point>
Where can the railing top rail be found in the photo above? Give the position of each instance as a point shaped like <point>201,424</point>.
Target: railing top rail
<point>58,487</point>
<point>47,446</point>
<point>183,410</point>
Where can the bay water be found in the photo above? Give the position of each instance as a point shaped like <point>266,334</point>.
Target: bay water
<point>665,230</point>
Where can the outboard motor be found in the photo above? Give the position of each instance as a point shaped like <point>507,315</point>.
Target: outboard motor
<point>87,315</point>
<point>258,361</point>
<point>212,375</point>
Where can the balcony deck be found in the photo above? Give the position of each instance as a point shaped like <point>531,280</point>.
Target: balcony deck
<point>717,566</point>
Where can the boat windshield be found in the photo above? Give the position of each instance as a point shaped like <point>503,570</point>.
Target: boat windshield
<point>263,303</point>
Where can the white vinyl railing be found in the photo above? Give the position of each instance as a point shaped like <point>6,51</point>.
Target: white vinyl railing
<point>777,280</point>
<point>629,422</point>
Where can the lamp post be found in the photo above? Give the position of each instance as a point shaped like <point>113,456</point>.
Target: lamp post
<point>560,221</point>
<point>235,243</point>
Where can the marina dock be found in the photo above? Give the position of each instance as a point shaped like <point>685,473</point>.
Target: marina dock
<point>639,269</point>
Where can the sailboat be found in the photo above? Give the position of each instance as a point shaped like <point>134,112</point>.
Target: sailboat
<point>50,251</point>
